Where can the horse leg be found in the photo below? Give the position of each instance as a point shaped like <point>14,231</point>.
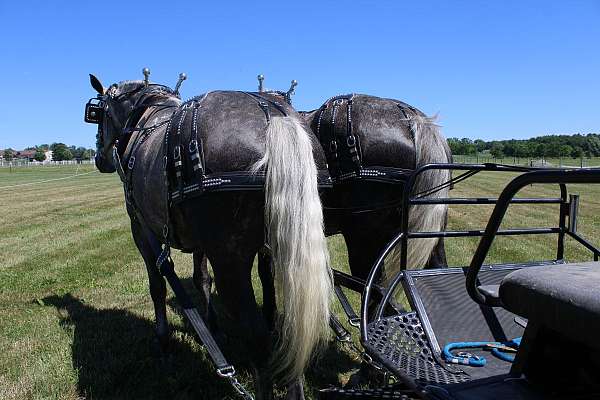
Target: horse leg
<point>268,286</point>
<point>203,283</point>
<point>363,249</point>
<point>295,391</point>
<point>158,290</point>
<point>438,256</point>
<point>364,242</point>
<point>232,270</point>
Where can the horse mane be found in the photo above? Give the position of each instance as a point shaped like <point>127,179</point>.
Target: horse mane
<point>129,85</point>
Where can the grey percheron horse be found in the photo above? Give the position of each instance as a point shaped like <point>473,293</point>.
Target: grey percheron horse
<point>229,227</point>
<point>391,134</point>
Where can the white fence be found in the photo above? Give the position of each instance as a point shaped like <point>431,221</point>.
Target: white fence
<point>26,163</point>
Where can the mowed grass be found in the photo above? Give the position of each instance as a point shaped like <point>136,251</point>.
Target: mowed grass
<point>76,319</point>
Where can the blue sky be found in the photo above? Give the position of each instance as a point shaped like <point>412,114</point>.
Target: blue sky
<point>506,69</point>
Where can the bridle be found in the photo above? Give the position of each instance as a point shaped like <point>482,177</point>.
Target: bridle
<point>97,109</point>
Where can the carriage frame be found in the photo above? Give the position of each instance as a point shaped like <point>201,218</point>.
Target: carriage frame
<point>375,323</point>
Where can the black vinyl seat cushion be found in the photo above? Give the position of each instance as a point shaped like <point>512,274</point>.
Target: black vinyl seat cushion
<point>565,298</point>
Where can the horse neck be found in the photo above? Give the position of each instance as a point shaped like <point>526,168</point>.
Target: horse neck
<point>148,104</point>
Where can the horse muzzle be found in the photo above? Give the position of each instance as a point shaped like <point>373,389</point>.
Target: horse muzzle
<point>103,164</point>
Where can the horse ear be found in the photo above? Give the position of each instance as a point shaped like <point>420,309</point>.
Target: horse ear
<point>96,84</point>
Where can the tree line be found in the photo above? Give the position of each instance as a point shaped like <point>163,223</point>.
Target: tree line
<point>576,146</point>
<point>60,152</point>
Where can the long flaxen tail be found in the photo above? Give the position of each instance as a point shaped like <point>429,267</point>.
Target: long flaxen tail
<point>430,147</point>
<point>294,220</point>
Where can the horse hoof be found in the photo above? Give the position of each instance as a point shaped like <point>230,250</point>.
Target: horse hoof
<point>356,380</point>
<point>160,346</point>
<point>365,375</point>
<point>295,392</point>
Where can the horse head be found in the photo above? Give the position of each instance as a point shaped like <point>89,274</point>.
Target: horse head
<point>112,109</point>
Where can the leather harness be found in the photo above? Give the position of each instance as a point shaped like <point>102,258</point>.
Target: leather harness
<point>342,145</point>
<point>183,158</point>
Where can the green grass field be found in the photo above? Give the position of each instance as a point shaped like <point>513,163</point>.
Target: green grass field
<point>76,316</point>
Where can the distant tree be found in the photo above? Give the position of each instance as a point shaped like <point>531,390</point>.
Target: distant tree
<point>40,155</point>
<point>540,150</point>
<point>480,145</point>
<point>509,148</point>
<point>9,154</point>
<point>78,152</point>
<point>455,146</point>
<point>87,154</point>
<point>60,152</point>
<point>593,145</point>
<point>552,150</point>
<point>577,152</point>
<point>541,146</point>
<point>497,150</point>
<point>468,147</point>
<point>44,147</point>
<point>565,150</point>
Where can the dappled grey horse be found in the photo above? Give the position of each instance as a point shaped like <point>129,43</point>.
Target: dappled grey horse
<point>222,175</point>
<point>371,143</point>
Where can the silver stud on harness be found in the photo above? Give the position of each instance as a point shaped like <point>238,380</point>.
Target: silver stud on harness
<point>182,77</point>
<point>146,72</point>
<point>261,78</point>
<point>291,91</point>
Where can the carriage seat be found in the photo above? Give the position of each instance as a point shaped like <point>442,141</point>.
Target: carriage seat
<point>564,298</point>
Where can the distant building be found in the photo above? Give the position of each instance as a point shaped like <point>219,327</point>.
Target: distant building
<point>48,156</point>
<point>26,154</point>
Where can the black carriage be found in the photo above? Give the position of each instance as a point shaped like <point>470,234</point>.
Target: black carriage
<point>503,331</point>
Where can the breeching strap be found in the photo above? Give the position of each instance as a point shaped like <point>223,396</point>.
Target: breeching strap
<point>224,368</point>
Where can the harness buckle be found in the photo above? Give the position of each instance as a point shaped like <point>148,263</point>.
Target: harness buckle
<point>177,153</point>
<point>193,147</point>
<point>226,372</point>
<point>351,141</point>
<point>131,162</point>
<point>369,360</point>
<point>333,146</point>
<point>239,388</point>
<point>344,338</point>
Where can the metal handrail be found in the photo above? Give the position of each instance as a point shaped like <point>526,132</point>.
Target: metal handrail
<point>562,177</point>
<point>532,175</point>
<point>407,200</point>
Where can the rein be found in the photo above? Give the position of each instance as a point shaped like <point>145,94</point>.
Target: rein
<point>397,202</point>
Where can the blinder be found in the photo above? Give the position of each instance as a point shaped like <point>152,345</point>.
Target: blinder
<point>94,111</point>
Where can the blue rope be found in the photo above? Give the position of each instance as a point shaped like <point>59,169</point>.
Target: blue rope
<point>465,358</point>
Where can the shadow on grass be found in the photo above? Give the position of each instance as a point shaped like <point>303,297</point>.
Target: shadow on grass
<point>321,374</point>
<point>113,355</point>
